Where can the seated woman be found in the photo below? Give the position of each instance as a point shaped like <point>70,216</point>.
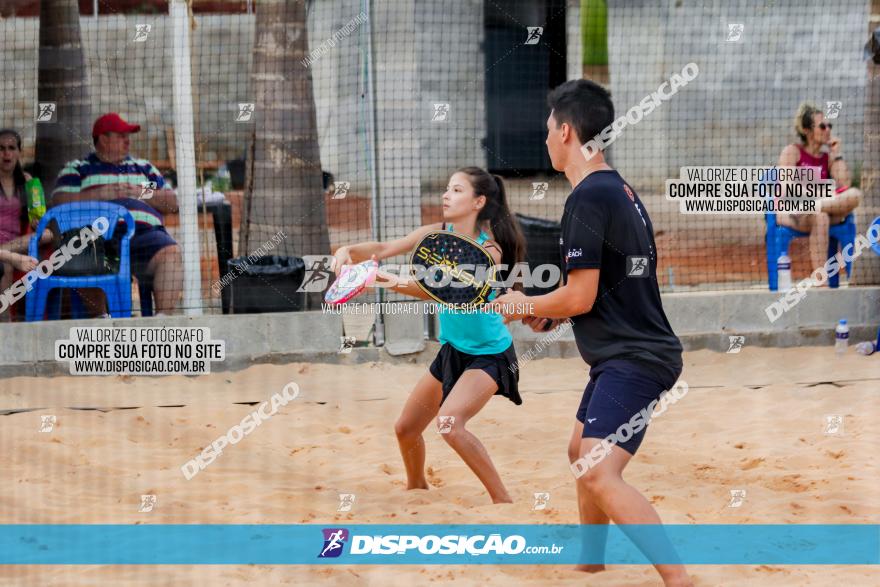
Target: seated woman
<point>815,134</point>
<point>13,212</point>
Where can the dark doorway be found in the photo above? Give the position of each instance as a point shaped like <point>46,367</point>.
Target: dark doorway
<point>518,78</point>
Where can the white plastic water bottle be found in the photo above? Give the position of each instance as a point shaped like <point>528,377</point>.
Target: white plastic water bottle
<point>783,271</point>
<point>841,337</point>
<point>865,348</point>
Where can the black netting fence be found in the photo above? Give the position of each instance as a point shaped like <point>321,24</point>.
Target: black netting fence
<point>284,129</point>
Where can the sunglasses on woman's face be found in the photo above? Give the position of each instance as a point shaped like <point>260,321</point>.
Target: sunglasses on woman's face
<point>823,126</point>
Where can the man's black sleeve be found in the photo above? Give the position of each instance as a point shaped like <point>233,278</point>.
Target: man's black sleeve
<point>585,224</point>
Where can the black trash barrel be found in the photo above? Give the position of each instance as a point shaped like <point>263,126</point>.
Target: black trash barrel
<point>267,284</point>
<point>542,246</point>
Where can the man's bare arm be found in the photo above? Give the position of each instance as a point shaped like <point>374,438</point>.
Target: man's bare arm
<point>164,201</point>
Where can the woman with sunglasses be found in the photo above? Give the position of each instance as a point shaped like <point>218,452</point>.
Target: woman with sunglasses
<point>819,148</point>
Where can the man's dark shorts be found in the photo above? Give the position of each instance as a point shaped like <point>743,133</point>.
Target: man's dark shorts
<point>617,391</point>
<point>145,246</point>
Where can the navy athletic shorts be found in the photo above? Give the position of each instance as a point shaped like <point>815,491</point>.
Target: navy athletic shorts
<point>618,390</point>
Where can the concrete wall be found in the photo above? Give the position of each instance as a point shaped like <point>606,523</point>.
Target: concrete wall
<point>701,320</point>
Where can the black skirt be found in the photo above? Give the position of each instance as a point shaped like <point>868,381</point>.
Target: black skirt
<point>503,368</point>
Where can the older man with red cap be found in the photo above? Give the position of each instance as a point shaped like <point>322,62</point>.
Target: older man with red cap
<point>110,174</point>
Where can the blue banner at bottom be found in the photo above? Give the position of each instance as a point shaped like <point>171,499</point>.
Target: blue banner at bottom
<point>456,544</point>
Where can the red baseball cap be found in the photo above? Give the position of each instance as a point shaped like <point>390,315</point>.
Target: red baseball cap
<point>112,122</point>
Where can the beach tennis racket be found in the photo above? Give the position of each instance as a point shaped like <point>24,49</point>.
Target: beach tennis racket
<point>457,270</point>
<point>352,281</point>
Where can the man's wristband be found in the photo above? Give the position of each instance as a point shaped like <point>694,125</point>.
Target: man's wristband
<point>837,158</point>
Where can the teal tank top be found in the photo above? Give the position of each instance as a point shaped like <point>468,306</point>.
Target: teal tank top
<point>475,333</point>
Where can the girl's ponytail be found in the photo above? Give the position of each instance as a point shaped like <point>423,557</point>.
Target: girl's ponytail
<point>503,224</point>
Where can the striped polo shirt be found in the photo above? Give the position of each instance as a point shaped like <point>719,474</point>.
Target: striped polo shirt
<point>90,172</point>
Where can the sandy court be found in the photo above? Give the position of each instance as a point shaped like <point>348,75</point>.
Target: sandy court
<point>753,421</point>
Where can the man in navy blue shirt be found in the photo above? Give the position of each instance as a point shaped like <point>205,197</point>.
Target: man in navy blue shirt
<point>610,293</point>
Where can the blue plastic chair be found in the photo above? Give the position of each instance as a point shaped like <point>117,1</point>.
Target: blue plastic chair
<point>779,237</point>
<point>876,248</point>
<point>116,286</point>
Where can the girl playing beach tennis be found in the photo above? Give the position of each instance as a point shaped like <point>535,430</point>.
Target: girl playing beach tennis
<point>477,359</point>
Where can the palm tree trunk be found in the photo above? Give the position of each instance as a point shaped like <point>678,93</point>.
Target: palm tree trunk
<point>61,80</point>
<point>287,189</point>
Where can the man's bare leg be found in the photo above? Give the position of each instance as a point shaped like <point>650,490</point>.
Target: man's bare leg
<point>166,267</point>
<point>604,484</point>
<point>590,513</point>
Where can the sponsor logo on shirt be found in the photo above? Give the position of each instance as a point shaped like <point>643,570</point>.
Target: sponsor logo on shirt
<point>574,253</point>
